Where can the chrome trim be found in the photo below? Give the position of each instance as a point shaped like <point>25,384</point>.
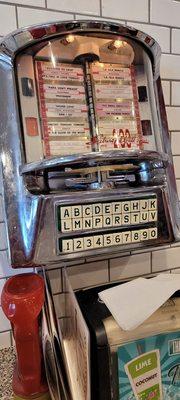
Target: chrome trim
<point>28,36</point>
<point>90,159</point>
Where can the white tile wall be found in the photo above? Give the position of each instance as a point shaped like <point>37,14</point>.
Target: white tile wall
<point>1,209</point>
<point>3,241</point>
<point>4,323</point>
<point>4,265</point>
<point>81,6</point>
<point>175,271</point>
<point>5,340</point>
<point>166,90</point>
<point>2,282</point>
<point>176,41</point>
<point>38,3</point>
<point>176,93</point>
<point>7,13</point>
<point>175,142</point>
<point>165,12</point>
<point>136,10</point>
<point>177,166</point>
<point>26,16</point>
<point>90,274</point>
<point>5,268</point>
<point>178,187</point>
<point>161,19</point>
<point>170,66</point>
<point>173,114</point>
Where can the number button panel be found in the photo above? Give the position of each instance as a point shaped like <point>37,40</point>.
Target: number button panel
<point>77,244</point>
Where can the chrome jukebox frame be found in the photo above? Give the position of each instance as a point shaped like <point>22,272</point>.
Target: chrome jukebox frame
<point>31,216</point>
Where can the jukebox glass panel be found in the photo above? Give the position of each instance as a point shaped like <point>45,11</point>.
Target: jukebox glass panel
<point>83,94</point>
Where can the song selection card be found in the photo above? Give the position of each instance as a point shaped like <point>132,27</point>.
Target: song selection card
<point>63,107</point>
<point>116,105</point>
<point>63,92</point>
<point>68,129</point>
<point>103,71</point>
<point>114,91</point>
<point>65,72</point>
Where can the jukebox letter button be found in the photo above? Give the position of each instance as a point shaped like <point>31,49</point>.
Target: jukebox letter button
<point>108,240</point>
<point>87,223</point>
<point>67,245</point>
<point>107,208</point>
<point>126,207</point>
<point>144,216</point>
<point>78,244</point>
<point>77,224</point>
<point>134,218</point>
<point>116,208</point>
<point>88,242</point>
<point>144,205</point>
<point>76,211</point>
<point>87,211</point>
<point>153,233</point>
<point>136,236</point>
<point>107,221</point>
<point>135,205</point>
<point>144,234</point>
<point>98,241</point>
<point>117,220</point>
<point>65,212</point>
<point>126,219</point>
<point>152,204</point>
<point>97,209</point>
<point>126,237</point>
<point>97,222</point>
<point>117,239</point>
<point>152,216</point>
<point>66,225</point>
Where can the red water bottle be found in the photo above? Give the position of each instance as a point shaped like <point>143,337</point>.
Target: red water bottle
<point>22,300</point>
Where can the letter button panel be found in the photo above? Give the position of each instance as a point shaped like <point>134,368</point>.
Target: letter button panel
<point>129,221</point>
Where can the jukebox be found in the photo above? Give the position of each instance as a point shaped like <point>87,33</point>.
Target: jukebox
<point>85,151</point>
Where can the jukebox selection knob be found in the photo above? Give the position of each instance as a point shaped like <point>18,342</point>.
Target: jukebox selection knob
<point>22,301</point>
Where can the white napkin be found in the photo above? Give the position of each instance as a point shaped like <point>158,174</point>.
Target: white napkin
<point>133,302</point>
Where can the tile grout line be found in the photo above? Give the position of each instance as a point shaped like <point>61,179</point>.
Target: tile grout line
<point>149,11</point>
<point>171,40</point>
<point>100,7</point>
<point>170,87</point>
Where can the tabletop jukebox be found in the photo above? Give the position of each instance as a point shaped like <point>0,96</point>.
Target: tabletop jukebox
<point>85,151</point>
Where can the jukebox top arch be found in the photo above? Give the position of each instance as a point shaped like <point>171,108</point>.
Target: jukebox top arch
<point>22,38</point>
